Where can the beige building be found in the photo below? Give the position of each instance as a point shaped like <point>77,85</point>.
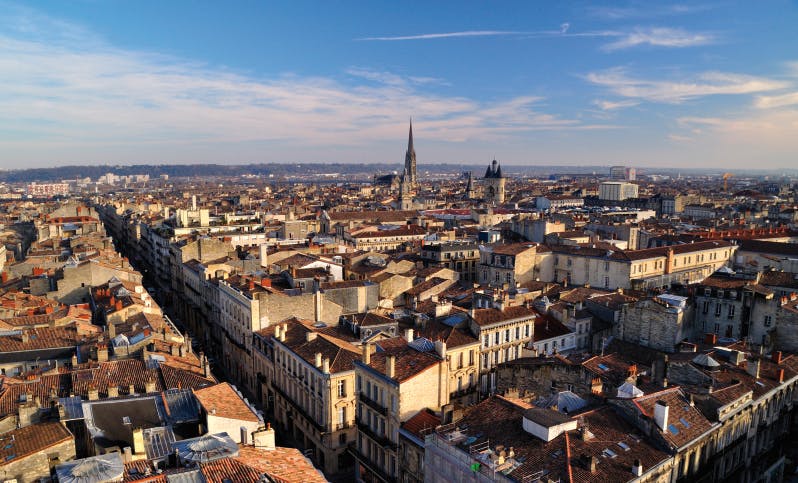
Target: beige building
<point>311,381</point>
<point>393,385</point>
<point>503,330</point>
<point>513,263</point>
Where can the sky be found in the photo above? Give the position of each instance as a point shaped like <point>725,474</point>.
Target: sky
<point>645,84</point>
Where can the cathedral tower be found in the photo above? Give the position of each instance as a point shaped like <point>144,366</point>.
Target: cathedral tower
<point>494,183</point>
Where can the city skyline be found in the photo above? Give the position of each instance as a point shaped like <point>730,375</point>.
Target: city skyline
<point>682,85</point>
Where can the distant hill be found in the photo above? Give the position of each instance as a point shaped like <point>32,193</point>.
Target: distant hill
<point>293,169</point>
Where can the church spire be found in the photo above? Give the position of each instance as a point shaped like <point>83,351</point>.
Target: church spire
<point>410,139</point>
<point>410,159</point>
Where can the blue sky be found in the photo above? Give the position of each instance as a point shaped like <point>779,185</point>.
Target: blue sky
<point>576,83</point>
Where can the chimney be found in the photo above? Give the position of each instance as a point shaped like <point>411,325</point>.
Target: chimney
<point>367,354</point>
<point>149,386</point>
<point>263,254</point>
<point>277,332</point>
<point>251,284</point>
<point>592,463</point>
<point>752,367</point>
<point>661,414</point>
<point>440,348</point>
<point>131,389</point>
<point>127,454</point>
<point>390,366</point>
<point>244,439</point>
<point>111,330</point>
<point>776,357</point>
<point>325,365</point>
<point>596,387</point>
<point>780,376</point>
<point>409,335</point>
<point>138,440</point>
<point>94,394</point>
<point>310,336</point>
<point>637,468</point>
<point>102,353</point>
<point>711,339</point>
<point>318,359</point>
<point>25,337</point>
<point>264,438</point>
<point>113,391</point>
<point>318,308</point>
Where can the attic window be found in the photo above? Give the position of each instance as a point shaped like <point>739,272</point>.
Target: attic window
<point>684,422</point>
<point>624,446</point>
<point>603,367</point>
<point>673,429</point>
<point>609,453</point>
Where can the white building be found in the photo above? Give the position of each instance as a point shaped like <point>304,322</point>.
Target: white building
<point>617,190</point>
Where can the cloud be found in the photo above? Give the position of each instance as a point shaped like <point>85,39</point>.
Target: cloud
<point>613,105</point>
<point>644,10</point>
<point>447,35</point>
<point>675,92</point>
<point>679,138</point>
<point>659,37</point>
<point>768,102</point>
<point>58,91</point>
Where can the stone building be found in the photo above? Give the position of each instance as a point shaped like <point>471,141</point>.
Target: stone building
<point>494,184</point>
<point>660,323</point>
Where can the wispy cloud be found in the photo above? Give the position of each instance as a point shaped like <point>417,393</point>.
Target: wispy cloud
<point>449,35</point>
<point>59,92</point>
<point>644,10</point>
<point>605,105</point>
<point>674,92</point>
<point>768,102</point>
<point>659,37</point>
<point>639,36</point>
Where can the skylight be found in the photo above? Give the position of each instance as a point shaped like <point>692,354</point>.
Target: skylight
<point>624,446</point>
<point>673,429</point>
<point>603,367</point>
<point>684,422</point>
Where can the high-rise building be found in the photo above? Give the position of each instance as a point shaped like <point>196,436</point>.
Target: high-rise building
<point>409,175</point>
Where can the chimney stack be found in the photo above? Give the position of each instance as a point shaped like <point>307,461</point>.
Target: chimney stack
<point>781,376</point>
<point>752,367</point>
<point>263,253</point>
<point>390,366</point>
<point>367,354</point>
<point>776,357</point>
<point>318,359</point>
<point>244,439</point>
<point>409,335</point>
<point>264,438</point>
<point>325,365</point>
<point>661,414</point>
<point>637,468</point>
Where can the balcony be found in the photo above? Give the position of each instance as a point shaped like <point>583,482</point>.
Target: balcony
<point>341,426</point>
<point>370,466</point>
<point>373,404</point>
<point>382,440</point>
<point>298,409</point>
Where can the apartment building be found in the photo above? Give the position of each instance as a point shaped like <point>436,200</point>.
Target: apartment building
<point>312,383</point>
<point>462,257</point>
<point>393,384</point>
<point>513,263</point>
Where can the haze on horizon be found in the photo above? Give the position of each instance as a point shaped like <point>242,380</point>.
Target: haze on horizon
<point>677,85</point>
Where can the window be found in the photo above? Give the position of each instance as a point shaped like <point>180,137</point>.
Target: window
<point>731,311</point>
<point>497,337</point>
<point>717,309</point>
<point>768,320</point>
<point>606,282</point>
<point>606,266</point>
<point>507,335</point>
<point>706,307</point>
<point>341,388</point>
<point>508,277</point>
<point>486,340</point>
<point>517,333</point>
<point>526,330</point>
<point>570,262</point>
